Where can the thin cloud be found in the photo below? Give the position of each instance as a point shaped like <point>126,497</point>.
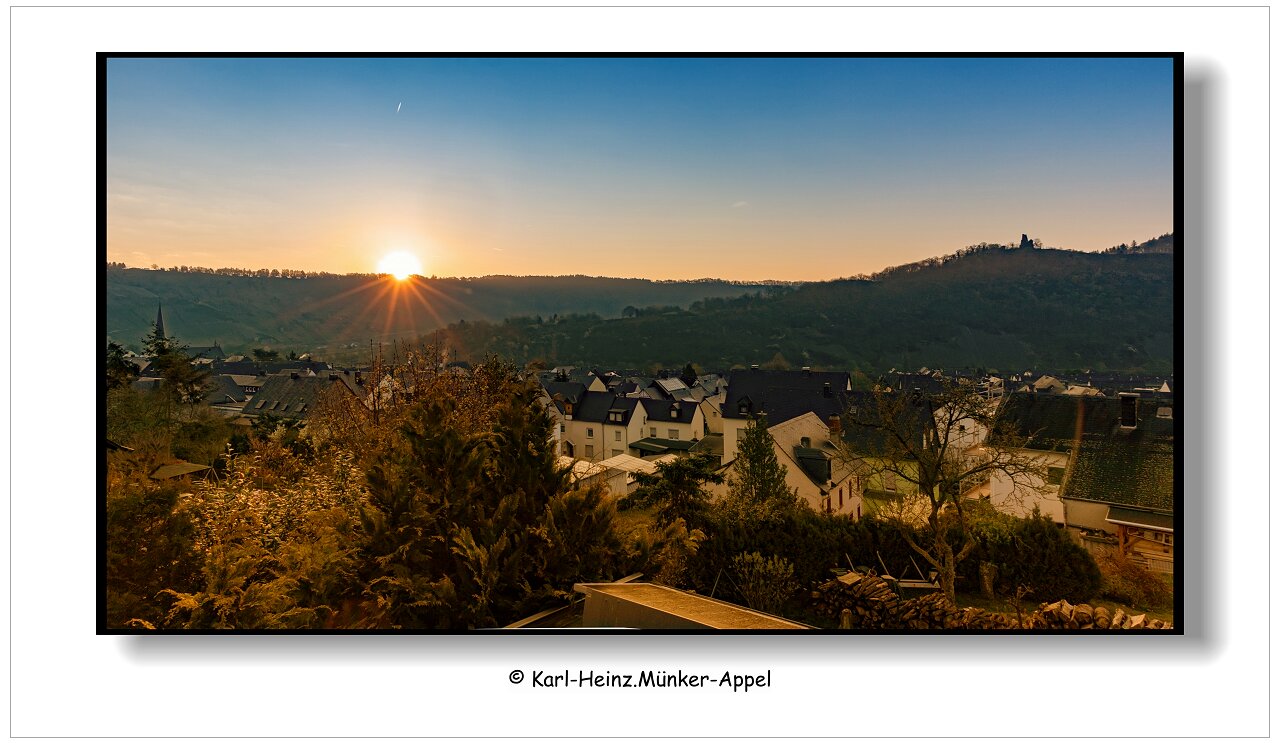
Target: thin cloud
<point>739,204</point>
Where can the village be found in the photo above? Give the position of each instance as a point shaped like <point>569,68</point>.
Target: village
<point>1095,451</point>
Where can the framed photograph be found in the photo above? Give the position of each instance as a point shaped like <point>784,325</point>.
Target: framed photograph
<point>742,343</point>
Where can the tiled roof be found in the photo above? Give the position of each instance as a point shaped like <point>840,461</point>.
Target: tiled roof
<point>247,368</point>
<point>1111,463</point>
<point>783,395</point>
<point>660,410</point>
<point>569,391</point>
<point>914,418</point>
<point>594,407</point>
<point>286,397</point>
<point>224,389</point>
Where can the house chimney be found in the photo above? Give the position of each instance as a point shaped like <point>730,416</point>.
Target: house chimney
<point>833,423</point>
<point>806,370</point>
<point>755,367</point>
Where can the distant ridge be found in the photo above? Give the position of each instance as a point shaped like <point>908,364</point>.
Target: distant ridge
<point>327,311</point>
<point>990,307</point>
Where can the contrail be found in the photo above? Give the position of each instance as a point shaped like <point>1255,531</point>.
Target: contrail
<point>398,105</point>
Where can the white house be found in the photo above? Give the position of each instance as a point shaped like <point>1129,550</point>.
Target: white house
<point>823,479</point>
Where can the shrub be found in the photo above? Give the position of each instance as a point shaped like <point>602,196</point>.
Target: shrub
<point>1128,582</point>
<point>765,583</point>
<point>1032,553</point>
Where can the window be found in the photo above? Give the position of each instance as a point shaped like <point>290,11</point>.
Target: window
<point>561,428</point>
<point>615,417</point>
<point>1055,475</point>
<point>591,451</point>
<point>617,435</point>
<point>673,434</point>
<point>653,431</point>
<point>591,433</point>
<point>1164,412</point>
<point>890,481</point>
<point>842,497</point>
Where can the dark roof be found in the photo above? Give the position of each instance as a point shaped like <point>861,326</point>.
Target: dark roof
<point>660,410</point>
<point>206,352</point>
<point>914,418</point>
<point>815,463</point>
<point>783,395</point>
<point>1111,463</point>
<point>1120,514</point>
<point>247,368</point>
<point>570,391</point>
<point>1051,421</point>
<point>147,384</point>
<point>276,367</point>
<point>286,397</point>
<point>177,469</point>
<point>657,446</point>
<point>594,407</point>
<point>712,443</point>
<point>224,389</point>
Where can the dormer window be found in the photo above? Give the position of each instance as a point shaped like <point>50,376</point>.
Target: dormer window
<point>744,406</point>
<point>675,411</point>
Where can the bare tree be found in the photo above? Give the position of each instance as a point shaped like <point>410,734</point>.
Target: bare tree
<point>934,446</point>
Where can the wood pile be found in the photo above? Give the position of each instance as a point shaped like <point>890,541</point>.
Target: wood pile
<point>1062,615</point>
<point>860,601</point>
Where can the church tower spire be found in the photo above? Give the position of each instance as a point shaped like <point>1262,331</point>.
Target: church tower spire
<point>160,322</point>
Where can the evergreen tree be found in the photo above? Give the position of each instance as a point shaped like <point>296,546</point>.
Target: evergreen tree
<point>690,375</point>
<point>184,382</point>
<point>677,488</point>
<point>475,528</point>
<point>758,485</point>
<point>120,372</point>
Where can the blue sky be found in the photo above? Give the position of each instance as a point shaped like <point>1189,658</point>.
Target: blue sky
<point>662,168</point>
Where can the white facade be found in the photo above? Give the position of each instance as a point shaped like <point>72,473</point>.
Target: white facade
<point>842,494</point>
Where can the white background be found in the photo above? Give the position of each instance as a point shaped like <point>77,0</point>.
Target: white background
<point>66,681</point>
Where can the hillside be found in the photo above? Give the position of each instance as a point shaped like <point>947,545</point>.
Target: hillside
<point>994,308</point>
<point>324,313</point>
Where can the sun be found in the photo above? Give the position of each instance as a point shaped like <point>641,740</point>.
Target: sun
<point>400,264</point>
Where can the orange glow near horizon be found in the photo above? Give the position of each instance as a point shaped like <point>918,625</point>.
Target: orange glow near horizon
<point>401,264</point>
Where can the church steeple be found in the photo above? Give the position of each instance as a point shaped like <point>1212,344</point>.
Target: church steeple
<point>160,322</point>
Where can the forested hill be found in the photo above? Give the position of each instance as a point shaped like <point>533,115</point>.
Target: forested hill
<point>324,313</point>
<point>995,308</point>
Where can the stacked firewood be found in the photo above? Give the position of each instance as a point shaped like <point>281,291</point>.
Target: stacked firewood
<point>860,601</point>
<point>870,600</point>
<point>1062,615</point>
